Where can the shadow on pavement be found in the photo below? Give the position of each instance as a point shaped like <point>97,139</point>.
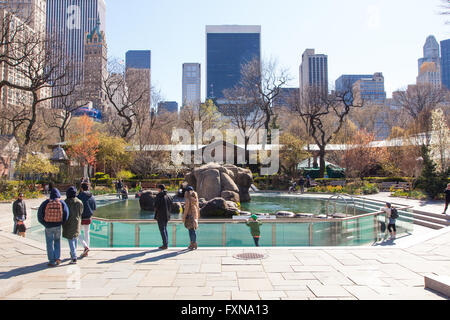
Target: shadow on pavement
<point>164,256</point>
<point>23,271</point>
<point>129,256</point>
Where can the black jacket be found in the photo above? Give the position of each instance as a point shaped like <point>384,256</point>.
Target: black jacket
<point>89,205</point>
<point>163,207</point>
<point>19,209</point>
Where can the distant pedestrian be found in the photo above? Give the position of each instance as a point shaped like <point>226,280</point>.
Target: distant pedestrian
<point>255,231</point>
<point>163,206</point>
<point>308,181</point>
<point>391,218</point>
<point>89,206</point>
<point>52,214</point>
<point>301,183</point>
<point>293,187</point>
<point>191,215</point>
<point>119,187</point>
<point>447,198</point>
<point>124,192</point>
<point>19,211</point>
<point>72,227</point>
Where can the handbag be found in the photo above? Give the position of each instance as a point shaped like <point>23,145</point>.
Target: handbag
<point>190,223</point>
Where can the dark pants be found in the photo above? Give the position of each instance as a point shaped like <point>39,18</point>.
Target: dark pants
<point>392,227</point>
<point>256,239</point>
<point>192,235</point>
<point>447,202</point>
<point>164,235</point>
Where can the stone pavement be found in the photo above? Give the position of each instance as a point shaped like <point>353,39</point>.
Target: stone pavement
<point>381,272</point>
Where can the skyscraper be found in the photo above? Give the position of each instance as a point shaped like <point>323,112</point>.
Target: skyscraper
<point>347,81</point>
<point>228,47</point>
<point>167,106</point>
<point>138,67</point>
<point>445,63</point>
<point>430,52</point>
<point>430,64</point>
<point>68,21</point>
<point>370,90</point>
<point>314,70</point>
<point>32,11</point>
<point>191,84</point>
<point>95,68</point>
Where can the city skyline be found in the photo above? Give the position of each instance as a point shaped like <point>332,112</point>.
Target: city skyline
<point>359,38</point>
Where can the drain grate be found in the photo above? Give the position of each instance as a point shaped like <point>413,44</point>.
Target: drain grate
<point>250,256</point>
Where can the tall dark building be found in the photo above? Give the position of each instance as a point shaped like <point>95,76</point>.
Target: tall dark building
<point>228,47</point>
<point>346,81</point>
<point>138,67</point>
<point>445,63</point>
<point>138,59</point>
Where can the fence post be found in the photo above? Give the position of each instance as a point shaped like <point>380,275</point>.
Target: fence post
<point>224,235</point>
<point>137,239</point>
<point>174,235</point>
<point>111,234</point>
<point>311,235</point>
<point>274,235</point>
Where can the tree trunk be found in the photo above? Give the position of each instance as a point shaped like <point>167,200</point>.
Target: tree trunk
<point>322,161</point>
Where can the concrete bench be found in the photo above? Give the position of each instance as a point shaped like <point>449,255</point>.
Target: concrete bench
<point>338,183</point>
<point>439,284</point>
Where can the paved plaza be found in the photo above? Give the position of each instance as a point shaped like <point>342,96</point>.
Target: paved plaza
<point>389,271</point>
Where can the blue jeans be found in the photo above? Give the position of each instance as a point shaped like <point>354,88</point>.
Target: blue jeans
<point>73,248</point>
<point>53,239</point>
<point>164,235</point>
<point>192,235</point>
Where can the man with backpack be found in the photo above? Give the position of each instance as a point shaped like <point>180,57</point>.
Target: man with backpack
<point>392,216</point>
<point>163,207</point>
<point>52,214</point>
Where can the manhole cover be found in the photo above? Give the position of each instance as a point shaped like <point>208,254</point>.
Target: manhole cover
<point>250,256</point>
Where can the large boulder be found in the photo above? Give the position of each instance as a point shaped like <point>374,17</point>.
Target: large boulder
<point>231,196</point>
<point>219,208</point>
<point>213,180</point>
<point>147,200</point>
<point>209,186</point>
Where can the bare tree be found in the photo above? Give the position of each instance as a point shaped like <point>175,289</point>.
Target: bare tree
<point>445,8</point>
<point>244,115</point>
<point>324,114</point>
<point>262,82</point>
<point>418,101</point>
<point>127,94</point>
<point>34,83</point>
<point>61,118</point>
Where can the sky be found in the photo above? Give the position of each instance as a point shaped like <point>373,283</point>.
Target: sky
<point>359,36</point>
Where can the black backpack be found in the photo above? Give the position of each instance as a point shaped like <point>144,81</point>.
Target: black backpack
<point>394,214</point>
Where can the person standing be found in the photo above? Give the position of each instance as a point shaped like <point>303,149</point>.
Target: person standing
<point>447,198</point>
<point>163,205</point>
<point>255,231</point>
<point>119,188</point>
<point>72,227</point>
<point>89,206</point>
<point>301,183</point>
<point>191,215</point>
<point>391,217</point>
<point>19,211</point>
<point>52,214</point>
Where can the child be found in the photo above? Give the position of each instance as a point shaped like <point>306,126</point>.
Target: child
<point>254,225</point>
<point>21,228</point>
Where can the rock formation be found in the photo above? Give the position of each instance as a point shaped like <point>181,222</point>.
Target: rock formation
<point>216,181</point>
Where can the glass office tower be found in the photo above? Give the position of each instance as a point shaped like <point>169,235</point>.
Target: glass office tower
<point>228,47</point>
<point>445,63</point>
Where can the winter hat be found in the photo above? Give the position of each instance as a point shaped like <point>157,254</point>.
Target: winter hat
<point>71,192</point>
<point>388,205</point>
<point>254,217</point>
<point>55,194</point>
<point>162,187</point>
<point>189,188</point>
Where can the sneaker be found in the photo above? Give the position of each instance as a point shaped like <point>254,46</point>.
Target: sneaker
<point>58,262</point>
<point>85,253</point>
<point>51,265</point>
<point>163,248</point>
<point>74,261</point>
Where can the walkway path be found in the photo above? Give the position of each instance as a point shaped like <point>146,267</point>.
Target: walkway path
<point>382,272</point>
